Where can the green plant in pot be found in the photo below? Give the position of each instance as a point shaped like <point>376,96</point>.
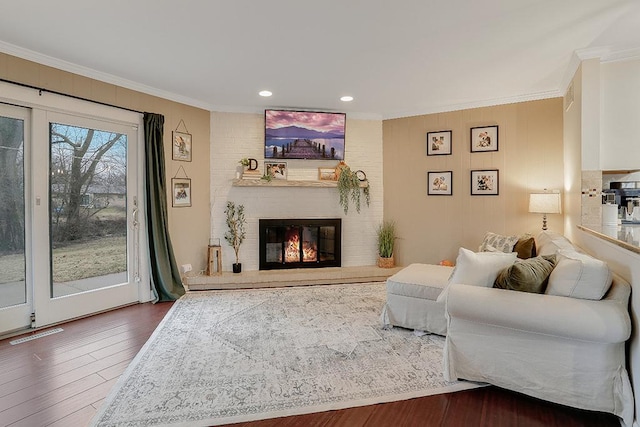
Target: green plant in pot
<point>236,233</point>
<point>349,188</point>
<point>386,241</point>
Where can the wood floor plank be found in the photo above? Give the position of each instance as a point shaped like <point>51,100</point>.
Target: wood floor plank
<point>63,351</point>
<point>38,376</point>
<point>114,371</point>
<point>65,408</point>
<point>44,402</point>
<point>69,377</point>
<point>81,417</point>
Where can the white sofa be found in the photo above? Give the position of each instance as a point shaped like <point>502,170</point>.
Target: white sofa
<point>565,349</point>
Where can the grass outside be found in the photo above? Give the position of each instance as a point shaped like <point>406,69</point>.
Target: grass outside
<point>76,261</point>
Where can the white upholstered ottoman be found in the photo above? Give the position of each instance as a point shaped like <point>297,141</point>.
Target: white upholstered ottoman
<point>411,298</point>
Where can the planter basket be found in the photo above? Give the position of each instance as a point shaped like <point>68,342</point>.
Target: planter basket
<point>386,262</point>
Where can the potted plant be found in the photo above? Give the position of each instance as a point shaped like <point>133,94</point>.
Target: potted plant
<point>235,235</point>
<point>386,241</point>
<point>243,165</point>
<point>349,187</point>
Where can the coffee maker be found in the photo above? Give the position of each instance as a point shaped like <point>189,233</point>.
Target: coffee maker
<point>625,194</point>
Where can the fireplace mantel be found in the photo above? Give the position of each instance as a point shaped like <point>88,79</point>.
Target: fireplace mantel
<point>286,183</point>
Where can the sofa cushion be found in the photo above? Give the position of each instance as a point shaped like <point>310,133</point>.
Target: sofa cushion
<point>422,281</point>
<point>525,247</point>
<point>527,275</point>
<point>478,269</point>
<point>497,243</point>
<point>548,243</point>
<point>579,275</point>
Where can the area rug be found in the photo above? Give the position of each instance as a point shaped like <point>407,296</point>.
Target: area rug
<point>221,357</point>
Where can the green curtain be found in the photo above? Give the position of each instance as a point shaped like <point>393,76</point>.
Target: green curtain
<point>165,277</point>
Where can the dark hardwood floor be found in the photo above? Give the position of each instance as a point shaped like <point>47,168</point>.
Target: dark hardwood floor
<point>61,380</point>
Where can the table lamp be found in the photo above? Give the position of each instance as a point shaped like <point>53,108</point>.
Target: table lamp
<point>545,203</point>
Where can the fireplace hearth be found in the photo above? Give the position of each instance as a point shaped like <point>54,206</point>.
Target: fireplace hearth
<point>300,243</point>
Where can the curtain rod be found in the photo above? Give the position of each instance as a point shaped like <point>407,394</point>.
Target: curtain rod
<point>41,89</point>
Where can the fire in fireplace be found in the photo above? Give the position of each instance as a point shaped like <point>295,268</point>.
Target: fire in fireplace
<point>296,243</point>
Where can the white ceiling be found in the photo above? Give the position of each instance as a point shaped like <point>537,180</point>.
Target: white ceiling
<point>397,58</point>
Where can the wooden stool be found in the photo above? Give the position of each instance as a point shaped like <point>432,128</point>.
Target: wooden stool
<point>215,253</point>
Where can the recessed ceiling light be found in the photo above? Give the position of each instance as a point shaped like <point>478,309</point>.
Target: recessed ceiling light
<point>346,98</point>
<point>265,93</point>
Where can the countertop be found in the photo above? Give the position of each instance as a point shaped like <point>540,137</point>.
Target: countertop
<point>625,235</point>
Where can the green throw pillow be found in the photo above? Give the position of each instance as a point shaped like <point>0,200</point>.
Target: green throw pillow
<point>525,247</point>
<point>527,275</point>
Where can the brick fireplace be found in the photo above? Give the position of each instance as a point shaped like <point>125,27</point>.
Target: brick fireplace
<point>300,243</point>
<point>238,135</point>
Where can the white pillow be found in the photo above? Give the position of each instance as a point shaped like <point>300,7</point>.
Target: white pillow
<point>548,243</point>
<point>579,275</point>
<point>496,242</point>
<point>478,269</point>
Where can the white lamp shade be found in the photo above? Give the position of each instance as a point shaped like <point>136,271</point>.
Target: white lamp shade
<point>545,203</point>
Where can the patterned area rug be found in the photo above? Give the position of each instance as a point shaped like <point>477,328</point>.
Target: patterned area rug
<point>230,356</point>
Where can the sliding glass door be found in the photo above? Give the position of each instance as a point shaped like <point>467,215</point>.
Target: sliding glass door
<point>15,290</point>
<point>70,227</point>
<point>90,220</point>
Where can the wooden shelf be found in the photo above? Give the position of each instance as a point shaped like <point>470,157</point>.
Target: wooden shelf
<point>285,183</point>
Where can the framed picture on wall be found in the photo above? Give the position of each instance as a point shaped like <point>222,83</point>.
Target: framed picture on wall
<point>277,170</point>
<point>327,174</point>
<point>440,183</point>
<point>485,182</point>
<point>484,139</point>
<point>439,143</point>
<point>181,146</point>
<point>181,191</point>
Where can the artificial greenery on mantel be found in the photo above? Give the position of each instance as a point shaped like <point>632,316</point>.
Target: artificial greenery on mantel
<point>349,187</point>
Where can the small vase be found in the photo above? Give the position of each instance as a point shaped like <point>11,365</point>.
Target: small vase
<point>237,267</point>
<point>386,262</point>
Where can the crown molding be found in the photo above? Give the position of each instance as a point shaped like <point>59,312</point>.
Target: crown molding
<point>476,104</point>
<point>606,54</point>
<point>70,67</point>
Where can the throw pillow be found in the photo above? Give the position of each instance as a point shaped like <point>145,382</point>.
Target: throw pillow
<point>477,269</point>
<point>527,275</point>
<point>579,275</point>
<point>498,242</point>
<point>548,243</point>
<point>525,247</point>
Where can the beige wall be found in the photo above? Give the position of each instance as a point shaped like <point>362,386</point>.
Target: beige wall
<point>432,228</point>
<point>189,227</point>
<point>573,159</point>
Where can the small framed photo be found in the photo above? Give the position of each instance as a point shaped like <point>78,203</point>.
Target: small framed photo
<point>485,182</point>
<point>181,146</point>
<point>440,183</point>
<point>484,139</point>
<point>327,174</point>
<point>181,190</point>
<point>277,170</point>
<point>439,143</point>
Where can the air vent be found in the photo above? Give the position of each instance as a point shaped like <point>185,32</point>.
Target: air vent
<point>36,336</point>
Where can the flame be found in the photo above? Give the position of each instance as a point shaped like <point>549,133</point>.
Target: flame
<point>292,248</point>
<point>309,251</point>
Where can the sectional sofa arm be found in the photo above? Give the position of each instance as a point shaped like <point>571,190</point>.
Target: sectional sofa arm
<point>605,321</point>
